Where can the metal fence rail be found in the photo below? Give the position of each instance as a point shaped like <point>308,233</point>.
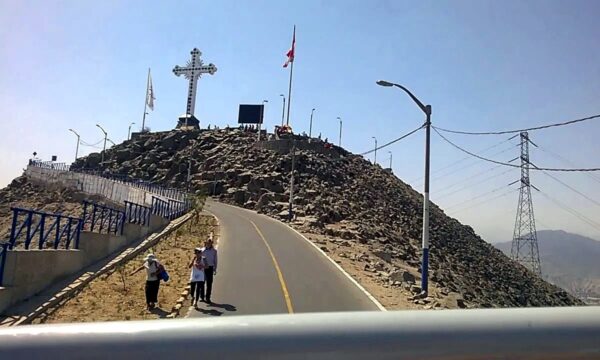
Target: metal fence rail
<point>3,250</point>
<point>137,214</point>
<point>527,333</point>
<point>41,225</point>
<point>102,219</point>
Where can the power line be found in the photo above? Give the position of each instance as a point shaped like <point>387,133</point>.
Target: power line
<point>518,130</point>
<point>393,141</point>
<point>486,201</point>
<point>567,161</point>
<point>465,158</point>
<point>571,188</point>
<point>472,185</point>
<point>507,164</point>
<point>469,165</point>
<point>477,197</point>
<point>573,212</point>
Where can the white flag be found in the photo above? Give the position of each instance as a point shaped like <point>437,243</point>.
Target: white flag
<point>150,93</point>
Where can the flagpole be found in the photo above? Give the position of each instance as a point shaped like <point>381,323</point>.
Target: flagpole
<point>146,100</point>
<point>291,74</point>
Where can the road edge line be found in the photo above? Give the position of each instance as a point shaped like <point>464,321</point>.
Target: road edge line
<point>353,280</point>
<point>341,269</point>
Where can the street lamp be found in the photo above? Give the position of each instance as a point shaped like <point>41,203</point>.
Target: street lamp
<point>283,109</point>
<point>77,148</point>
<point>375,159</point>
<point>340,141</point>
<point>262,118</point>
<point>389,152</point>
<point>129,131</point>
<point>427,110</point>
<point>310,126</point>
<point>112,142</point>
<point>105,136</point>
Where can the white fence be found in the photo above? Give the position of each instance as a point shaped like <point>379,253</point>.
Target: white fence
<point>94,185</point>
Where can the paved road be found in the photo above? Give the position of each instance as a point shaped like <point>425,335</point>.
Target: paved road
<point>265,268</point>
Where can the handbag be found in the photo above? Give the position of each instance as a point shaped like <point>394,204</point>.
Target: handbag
<point>162,274</point>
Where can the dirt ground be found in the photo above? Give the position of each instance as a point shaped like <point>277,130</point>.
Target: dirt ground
<point>353,256</point>
<point>119,296</point>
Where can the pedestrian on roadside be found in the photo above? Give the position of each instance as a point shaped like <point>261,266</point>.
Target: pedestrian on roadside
<point>153,268</point>
<point>197,276</point>
<point>210,257</point>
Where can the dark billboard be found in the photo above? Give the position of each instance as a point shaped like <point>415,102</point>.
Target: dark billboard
<point>251,114</point>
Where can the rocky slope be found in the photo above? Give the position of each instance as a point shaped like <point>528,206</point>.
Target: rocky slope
<point>343,199</point>
<point>24,194</point>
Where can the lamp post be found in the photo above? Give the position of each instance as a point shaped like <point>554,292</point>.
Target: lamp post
<point>389,152</point>
<point>427,110</point>
<point>283,109</point>
<point>310,126</point>
<point>112,142</point>
<point>340,140</point>
<point>77,148</point>
<point>375,157</point>
<point>261,118</point>
<point>129,131</point>
<point>105,136</point>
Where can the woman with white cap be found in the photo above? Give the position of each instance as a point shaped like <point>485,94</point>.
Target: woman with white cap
<point>153,268</point>
<point>197,264</point>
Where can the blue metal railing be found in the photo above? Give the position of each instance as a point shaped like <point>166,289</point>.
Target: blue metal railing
<point>169,209</point>
<point>3,250</point>
<point>41,225</point>
<point>102,219</point>
<point>137,214</point>
<point>159,207</point>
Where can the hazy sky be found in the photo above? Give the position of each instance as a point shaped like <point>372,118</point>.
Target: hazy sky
<point>482,65</point>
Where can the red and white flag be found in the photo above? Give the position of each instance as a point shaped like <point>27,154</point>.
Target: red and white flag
<point>290,53</point>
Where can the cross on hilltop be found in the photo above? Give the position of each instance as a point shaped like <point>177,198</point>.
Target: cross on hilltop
<point>192,71</point>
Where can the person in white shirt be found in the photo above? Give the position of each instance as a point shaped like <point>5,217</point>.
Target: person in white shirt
<point>197,276</point>
<point>210,257</point>
<point>153,267</point>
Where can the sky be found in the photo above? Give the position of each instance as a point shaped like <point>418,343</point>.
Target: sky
<point>482,65</point>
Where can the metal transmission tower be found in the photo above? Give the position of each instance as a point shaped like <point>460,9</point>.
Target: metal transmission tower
<point>524,245</point>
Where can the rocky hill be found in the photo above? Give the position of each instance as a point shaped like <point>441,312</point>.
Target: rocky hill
<point>343,198</point>
<point>25,194</point>
<point>569,261</point>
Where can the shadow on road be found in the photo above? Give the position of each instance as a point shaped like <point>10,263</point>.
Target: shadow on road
<point>215,309</point>
<point>226,307</point>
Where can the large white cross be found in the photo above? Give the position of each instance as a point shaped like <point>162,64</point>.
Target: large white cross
<point>192,71</point>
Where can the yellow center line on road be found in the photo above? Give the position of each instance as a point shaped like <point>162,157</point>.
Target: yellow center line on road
<point>286,294</point>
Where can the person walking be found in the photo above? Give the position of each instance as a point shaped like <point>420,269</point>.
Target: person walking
<point>153,268</point>
<point>210,257</point>
<point>197,277</point>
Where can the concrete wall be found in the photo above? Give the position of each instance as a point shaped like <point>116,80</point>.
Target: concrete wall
<point>97,246</point>
<point>284,146</point>
<point>27,272</point>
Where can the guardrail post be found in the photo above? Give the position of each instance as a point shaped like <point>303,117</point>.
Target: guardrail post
<point>13,230</point>
<point>57,238</point>
<point>41,226</point>
<point>3,249</point>
<point>93,217</point>
<point>78,234</point>
<point>28,233</point>
<point>110,221</point>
